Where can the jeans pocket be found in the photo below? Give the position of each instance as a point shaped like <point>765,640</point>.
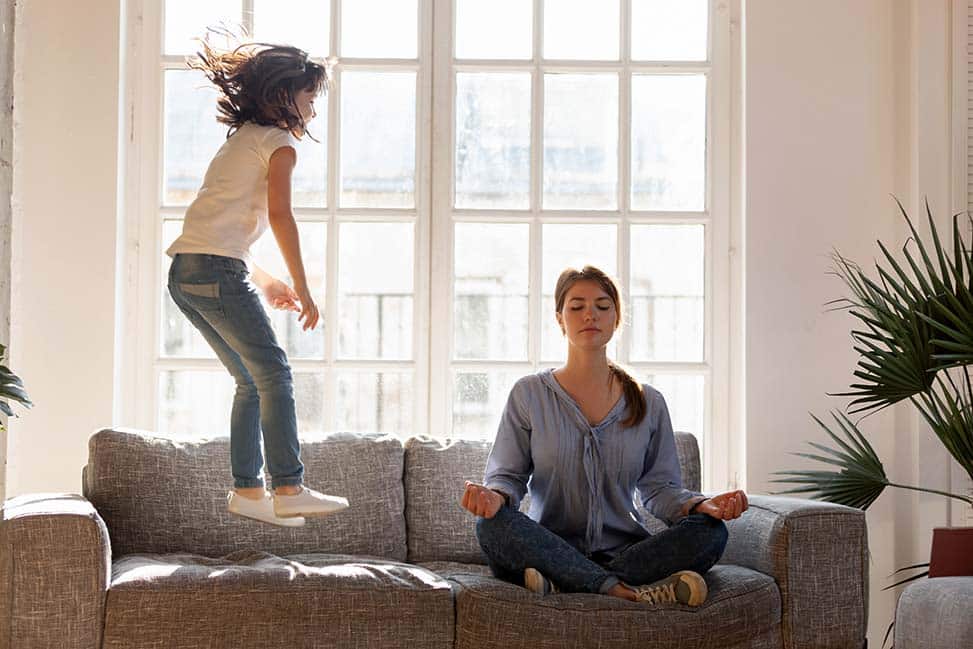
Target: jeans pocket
<point>202,297</point>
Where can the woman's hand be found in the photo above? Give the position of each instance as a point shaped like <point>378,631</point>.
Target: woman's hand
<point>481,501</point>
<point>280,296</point>
<point>725,506</point>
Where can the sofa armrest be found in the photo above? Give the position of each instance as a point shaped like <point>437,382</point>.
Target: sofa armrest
<point>817,553</point>
<point>55,560</point>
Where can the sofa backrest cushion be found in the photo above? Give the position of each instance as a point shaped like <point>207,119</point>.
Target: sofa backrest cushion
<point>161,495</point>
<point>435,471</point>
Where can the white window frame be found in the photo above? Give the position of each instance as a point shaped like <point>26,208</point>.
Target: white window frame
<point>140,234</point>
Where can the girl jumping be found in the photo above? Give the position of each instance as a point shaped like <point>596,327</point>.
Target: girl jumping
<point>267,99</point>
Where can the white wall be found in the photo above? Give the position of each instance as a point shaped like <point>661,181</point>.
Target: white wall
<point>64,214</point>
<point>846,104</point>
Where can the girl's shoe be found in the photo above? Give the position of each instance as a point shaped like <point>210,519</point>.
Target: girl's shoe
<point>535,582</point>
<point>308,502</point>
<point>259,510</point>
<point>685,586</point>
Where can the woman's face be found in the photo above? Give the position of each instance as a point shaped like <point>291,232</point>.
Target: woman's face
<point>588,316</point>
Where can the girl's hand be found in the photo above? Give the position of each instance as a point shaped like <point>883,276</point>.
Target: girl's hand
<point>481,501</point>
<point>309,310</point>
<point>725,506</point>
<point>280,296</point>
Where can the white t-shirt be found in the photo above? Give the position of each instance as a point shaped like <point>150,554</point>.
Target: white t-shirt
<point>230,211</point>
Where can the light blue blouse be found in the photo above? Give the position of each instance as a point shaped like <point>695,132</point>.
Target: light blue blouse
<point>583,479</point>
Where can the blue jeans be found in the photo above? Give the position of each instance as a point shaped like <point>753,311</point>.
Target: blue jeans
<point>513,542</point>
<point>214,293</point>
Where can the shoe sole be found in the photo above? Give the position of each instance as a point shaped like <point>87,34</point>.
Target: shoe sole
<point>691,588</point>
<point>267,522</point>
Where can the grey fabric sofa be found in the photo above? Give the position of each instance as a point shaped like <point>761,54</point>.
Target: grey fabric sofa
<point>149,557</point>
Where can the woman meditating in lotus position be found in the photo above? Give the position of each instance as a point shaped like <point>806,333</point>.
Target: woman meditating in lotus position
<point>587,437</point>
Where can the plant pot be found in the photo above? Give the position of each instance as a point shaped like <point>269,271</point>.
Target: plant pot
<point>952,552</point>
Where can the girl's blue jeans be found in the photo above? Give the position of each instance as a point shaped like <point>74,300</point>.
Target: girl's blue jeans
<point>214,293</point>
<point>513,542</point>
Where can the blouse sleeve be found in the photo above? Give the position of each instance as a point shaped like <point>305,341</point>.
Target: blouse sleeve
<point>660,485</point>
<point>510,465</point>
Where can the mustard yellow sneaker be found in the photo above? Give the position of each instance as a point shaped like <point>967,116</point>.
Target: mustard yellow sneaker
<point>685,587</point>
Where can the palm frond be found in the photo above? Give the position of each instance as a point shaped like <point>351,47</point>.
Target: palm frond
<point>860,477</point>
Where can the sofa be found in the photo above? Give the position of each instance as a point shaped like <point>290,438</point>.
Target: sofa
<point>148,556</point>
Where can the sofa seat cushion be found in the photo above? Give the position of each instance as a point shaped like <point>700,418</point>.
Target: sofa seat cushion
<point>743,609</point>
<point>160,495</point>
<point>255,599</point>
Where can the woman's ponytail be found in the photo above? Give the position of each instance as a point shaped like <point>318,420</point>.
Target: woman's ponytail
<point>634,396</point>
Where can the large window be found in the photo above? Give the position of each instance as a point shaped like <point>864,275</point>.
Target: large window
<point>469,151</point>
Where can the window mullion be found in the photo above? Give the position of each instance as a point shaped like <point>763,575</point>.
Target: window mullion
<point>331,254</point>
<point>441,255</point>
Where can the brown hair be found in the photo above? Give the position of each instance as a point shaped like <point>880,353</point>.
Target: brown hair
<point>258,83</point>
<point>633,391</point>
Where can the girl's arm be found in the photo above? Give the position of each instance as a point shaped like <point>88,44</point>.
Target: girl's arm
<point>284,227</point>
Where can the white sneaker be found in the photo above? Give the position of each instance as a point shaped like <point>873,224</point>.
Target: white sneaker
<point>259,510</point>
<point>308,503</point>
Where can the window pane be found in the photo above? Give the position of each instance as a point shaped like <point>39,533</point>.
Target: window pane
<point>310,179</point>
<point>192,134</point>
<point>309,399</point>
<point>684,395</point>
<point>375,402</point>
<point>490,293</point>
<point>580,141</point>
<point>378,139</point>
<point>290,333</point>
<point>195,403</point>
<point>668,142</point>
<point>379,29</point>
<point>669,30</point>
<point>581,29</point>
<point>375,290</point>
<point>571,246</point>
<point>188,19</point>
<point>493,140</point>
<point>494,29</point>
<point>302,23</point>
<point>666,298</point>
<point>179,337</point>
<point>478,402</point>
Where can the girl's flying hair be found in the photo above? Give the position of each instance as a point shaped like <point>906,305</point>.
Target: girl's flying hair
<point>258,83</point>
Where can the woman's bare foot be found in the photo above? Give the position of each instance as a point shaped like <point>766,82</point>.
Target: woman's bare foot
<point>288,490</point>
<point>624,592</point>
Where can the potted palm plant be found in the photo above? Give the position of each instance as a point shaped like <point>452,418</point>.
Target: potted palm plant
<point>915,340</point>
<point>11,387</point>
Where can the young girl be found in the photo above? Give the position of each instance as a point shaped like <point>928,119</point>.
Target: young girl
<point>267,99</point>
<point>587,436</point>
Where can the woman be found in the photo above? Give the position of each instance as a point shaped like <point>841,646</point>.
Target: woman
<point>587,436</point>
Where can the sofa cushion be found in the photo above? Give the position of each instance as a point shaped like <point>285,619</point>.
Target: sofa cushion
<point>743,606</point>
<point>160,495</point>
<point>435,470</point>
<point>255,599</point>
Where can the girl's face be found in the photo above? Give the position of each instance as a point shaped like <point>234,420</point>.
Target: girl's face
<point>305,104</point>
<point>588,316</point>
